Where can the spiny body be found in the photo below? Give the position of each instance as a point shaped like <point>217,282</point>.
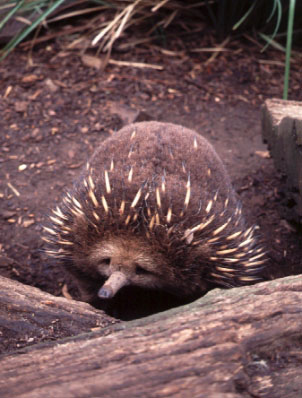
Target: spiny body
<point>154,207</point>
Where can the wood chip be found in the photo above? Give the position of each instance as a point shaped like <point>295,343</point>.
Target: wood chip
<point>7,91</point>
<point>75,165</point>
<point>15,191</point>
<point>29,78</point>
<point>35,95</point>
<point>27,223</point>
<point>263,154</point>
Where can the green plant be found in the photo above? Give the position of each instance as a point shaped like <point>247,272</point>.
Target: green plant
<point>290,27</point>
<point>31,7</point>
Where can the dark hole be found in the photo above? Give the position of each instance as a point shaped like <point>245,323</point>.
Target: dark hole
<point>133,302</point>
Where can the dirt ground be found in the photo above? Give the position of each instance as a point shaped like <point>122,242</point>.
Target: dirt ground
<point>55,109</point>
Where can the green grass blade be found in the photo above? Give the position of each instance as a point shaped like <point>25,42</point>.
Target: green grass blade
<point>289,38</point>
<point>275,4</point>
<point>16,40</point>
<point>104,3</point>
<point>245,16</point>
<point>272,42</point>
<point>278,7</point>
<point>11,13</point>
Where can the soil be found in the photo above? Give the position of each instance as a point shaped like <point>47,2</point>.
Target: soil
<point>55,108</point>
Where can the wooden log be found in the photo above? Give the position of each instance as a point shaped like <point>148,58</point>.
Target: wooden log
<point>28,316</point>
<point>243,342</point>
<point>282,130</point>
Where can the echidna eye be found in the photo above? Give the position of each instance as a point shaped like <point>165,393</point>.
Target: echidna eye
<point>140,270</point>
<point>106,260</point>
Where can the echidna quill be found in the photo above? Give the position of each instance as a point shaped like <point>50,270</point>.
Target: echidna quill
<point>154,207</point>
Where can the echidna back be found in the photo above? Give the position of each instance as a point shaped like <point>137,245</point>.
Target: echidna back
<point>156,153</point>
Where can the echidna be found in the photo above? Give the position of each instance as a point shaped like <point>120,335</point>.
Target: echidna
<point>154,207</point>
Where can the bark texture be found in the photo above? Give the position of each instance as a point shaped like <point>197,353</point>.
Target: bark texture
<point>243,342</point>
<point>29,316</point>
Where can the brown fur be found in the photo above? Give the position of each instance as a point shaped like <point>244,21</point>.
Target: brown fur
<point>155,203</point>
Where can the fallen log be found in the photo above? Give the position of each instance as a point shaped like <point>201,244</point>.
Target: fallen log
<point>29,316</point>
<point>282,130</point>
<point>243,342</point>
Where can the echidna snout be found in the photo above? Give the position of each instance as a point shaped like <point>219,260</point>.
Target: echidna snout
<point>154,207</point>
<point>114,283</point>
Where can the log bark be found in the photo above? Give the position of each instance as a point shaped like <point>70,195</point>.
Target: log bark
<point>29,316</point>
<point>282,130</point>
<point>243,342</point>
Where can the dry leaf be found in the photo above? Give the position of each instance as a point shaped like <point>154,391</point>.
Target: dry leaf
<point>92,62</point>
<point>29,78</point>
<point>51,85</point>
<point>21,106</point>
